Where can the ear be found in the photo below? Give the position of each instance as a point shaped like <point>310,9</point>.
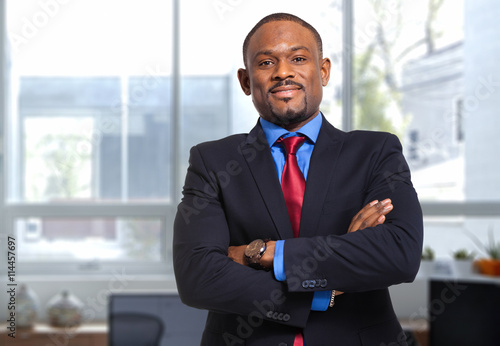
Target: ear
<point>326,65</point>
<point>244,81</point>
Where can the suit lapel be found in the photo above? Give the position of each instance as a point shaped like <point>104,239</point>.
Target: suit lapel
<point>260,161</point>
<point>321,171</point>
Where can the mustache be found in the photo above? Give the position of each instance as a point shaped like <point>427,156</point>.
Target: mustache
<point>285,83</point>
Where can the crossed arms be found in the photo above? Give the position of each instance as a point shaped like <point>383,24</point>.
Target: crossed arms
<point>373,253</point>
<point>371,215</point>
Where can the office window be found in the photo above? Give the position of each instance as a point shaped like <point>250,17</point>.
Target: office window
<point>89,140</point>
<point>74,145</point>
<point>427,72</point>
<point>92,98</point>
<point>408,72</point>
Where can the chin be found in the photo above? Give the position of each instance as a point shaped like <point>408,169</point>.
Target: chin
<point>285,113</point>
<point>289,118</point>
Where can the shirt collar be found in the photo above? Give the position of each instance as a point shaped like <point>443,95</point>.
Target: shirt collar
<point>273,132</point>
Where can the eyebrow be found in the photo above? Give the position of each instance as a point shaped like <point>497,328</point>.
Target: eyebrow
<point>292,49</point>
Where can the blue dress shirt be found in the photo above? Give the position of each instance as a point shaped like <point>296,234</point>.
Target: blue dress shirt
<point>273,132</point>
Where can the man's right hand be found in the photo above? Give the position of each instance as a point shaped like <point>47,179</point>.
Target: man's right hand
<point>371,215</point>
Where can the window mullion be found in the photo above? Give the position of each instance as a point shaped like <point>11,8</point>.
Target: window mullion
<point>93,210</point>
<point>176,102</point>
<point>124,136</point>
<point>491,209</point>
<point>347,56</point>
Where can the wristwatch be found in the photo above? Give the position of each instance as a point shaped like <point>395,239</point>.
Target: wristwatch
<point>254,252</point>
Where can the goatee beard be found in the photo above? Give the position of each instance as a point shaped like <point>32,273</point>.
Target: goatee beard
<point>290,116</point>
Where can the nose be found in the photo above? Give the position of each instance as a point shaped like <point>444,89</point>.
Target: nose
<point>283,70</point>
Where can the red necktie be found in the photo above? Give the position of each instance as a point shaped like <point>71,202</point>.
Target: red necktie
<point>293,185</point>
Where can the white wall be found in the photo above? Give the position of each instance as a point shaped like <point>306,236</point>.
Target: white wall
<point>482,99</point>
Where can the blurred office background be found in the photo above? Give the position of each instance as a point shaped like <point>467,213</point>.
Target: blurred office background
<point>101,101</point>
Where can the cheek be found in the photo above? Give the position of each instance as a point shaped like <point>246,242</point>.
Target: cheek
<point>258,96</point>
<point>315,89</point>
<point>258,88</point>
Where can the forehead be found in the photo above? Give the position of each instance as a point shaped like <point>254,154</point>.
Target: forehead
<point>281,36</point>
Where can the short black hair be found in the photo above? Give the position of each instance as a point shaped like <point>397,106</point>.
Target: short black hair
<point>277,17</point>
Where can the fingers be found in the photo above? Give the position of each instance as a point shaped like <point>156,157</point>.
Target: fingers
<point>371,215</point>
<point>237,254</point>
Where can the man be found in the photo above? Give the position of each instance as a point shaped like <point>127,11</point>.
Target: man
<point>316,275</point>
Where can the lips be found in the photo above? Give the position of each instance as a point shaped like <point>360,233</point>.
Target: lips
<point>285,89</point>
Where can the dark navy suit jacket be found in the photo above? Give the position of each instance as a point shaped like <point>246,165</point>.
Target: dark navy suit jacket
<point>232,196</point>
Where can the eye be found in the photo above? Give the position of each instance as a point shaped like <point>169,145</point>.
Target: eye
<point>265,63</point>
<point>299,59</point>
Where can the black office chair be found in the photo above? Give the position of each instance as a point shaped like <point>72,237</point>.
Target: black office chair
<point>134,329</point>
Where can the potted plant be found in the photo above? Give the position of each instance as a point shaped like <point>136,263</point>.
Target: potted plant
<point>428,254</point>
<point>427,261</point>
<point>491,264</point>
<point>463,262</point>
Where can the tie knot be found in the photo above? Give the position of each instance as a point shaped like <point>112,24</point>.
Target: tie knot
<point>292,144</point>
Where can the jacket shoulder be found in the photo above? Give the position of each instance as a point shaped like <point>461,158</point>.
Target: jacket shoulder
<point>359,136</point>
<point>375,135</point>
<point>373,138</point>
<point>226,142</point>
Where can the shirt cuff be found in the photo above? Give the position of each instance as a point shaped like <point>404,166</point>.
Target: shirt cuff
<point>321,300</point>
<point>279,261</point>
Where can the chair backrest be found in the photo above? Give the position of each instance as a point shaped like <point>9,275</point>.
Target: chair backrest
<point>142,313</point>
<point>135,329</point>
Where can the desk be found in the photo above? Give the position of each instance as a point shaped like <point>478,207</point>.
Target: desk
<point>43,334</point>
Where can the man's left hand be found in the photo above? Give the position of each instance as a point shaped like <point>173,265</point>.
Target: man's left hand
<point>237,254</point>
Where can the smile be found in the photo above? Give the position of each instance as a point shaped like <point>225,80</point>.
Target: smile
<point>285,91</point>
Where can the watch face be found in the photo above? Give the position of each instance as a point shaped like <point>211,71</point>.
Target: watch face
<point>255,249</point>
